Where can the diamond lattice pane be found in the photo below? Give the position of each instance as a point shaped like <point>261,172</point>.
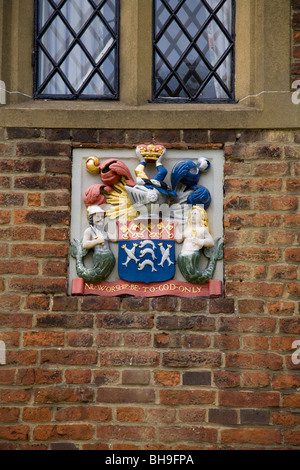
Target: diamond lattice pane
<point>193,49</point>
<point>77,39</point>
<point>77,12</point>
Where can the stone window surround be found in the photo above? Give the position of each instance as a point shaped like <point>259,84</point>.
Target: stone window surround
<point>263,46</point>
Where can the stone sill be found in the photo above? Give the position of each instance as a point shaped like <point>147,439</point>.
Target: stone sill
<point>259,113</point>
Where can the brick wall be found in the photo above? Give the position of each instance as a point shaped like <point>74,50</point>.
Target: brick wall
<point>164,373</point>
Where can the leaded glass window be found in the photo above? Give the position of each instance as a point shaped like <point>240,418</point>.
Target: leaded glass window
<point>76,49</point>
<point>193,56</point>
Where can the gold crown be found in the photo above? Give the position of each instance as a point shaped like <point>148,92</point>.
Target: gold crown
<point>151,152</point>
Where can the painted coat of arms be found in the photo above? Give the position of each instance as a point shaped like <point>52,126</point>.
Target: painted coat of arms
<point>148,218</point>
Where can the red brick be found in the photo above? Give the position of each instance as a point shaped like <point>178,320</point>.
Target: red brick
<point>286,381</point>
<point>96,303</point>
<point>252,343</point>
<point>286,419</point>
<point>61,394</point>
<point>161,415</point>
<point>191,415</point>
<point>195,341</point>
<point>271,169</point>
<point>126,395</point>
<point>221,306</point>
<point>14,396</point>
<point>253,152</point>
<point>247,324</point>
<point>283,272</point>
<point>296,20</point>
<point>17,320</point>
<point>251,436</point>
<point>84,413</point>
<point>126,358</point>
<point>81,432</point>
<point>38,285</point>
<point>192,359</point>
<point>195,322</point>
<point>81,357</point>
<point>22,133</point>
<point>84,135</point>
<point>136,377</point>
<point>106,338</point>
<point>36,302</point>
<point>252,254</point>
<point>64,304</point>
<point>226,379</point>
<point>290,325</point>
<point>255,289</point>
<point>37,338</point>
<point>138,304</point>
<point>10,303</point>
<point>34,200</point>
<point>193,305</point>
<point>25,377</point>
<point>34,415</point>
<point>167,378</point>
<point>74,376</point>
<point>27,233</point>
<point>57,199</point>
<point>43,149</point>
<point>165,303</point>
<point>187,397</point>
<point>130,414</point>
<point>191,434</point>
<point>57,134</point>
<point>255,379</point>
<point>112,136</point>
<point>292,437</point>
<point>138,136</point>
<point>14,433</point>
<point>5,217</point>
<point>47,376</point>
<point>291,401</point>
<point>40,250</point>
<point>12,199</point>
<point>254,361</point>
<point>104,377</point>
<point>137,340</point>
<point>20,357</point>
<point>143,433</point>
<point>80,340</point>
<point>195,136</point>
<point>122,320</point>
<point>9,414</point>
<point>7,376</point>
<point>35,216</point>
<point>226,342</point>
<point>65,321</point>
<point>291,220</point>
<point>249,399</point>
<point>223,416</point>
<point>57,234</point>
<point>281,308</point>
<point>18,267</point>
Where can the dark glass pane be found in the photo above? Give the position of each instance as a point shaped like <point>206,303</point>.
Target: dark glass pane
<point>76,49</point>
<point>193,50</point>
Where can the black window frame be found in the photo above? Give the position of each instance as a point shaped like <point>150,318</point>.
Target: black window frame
<point>37,89</point>
<point>156,37</point>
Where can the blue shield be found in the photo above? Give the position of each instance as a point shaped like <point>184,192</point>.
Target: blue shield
<point>146,260</point>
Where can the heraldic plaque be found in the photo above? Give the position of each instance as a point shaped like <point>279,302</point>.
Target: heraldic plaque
<point>146,235</point>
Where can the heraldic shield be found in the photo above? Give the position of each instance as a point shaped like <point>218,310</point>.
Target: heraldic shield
<point>146,251</point>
